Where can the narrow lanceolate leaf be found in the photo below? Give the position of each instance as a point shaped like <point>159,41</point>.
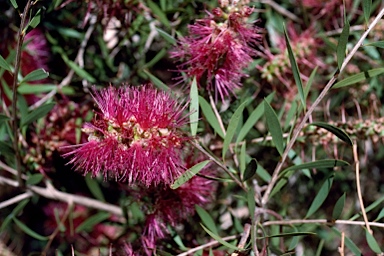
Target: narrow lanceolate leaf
<point>4,64</point>
<point>362,76</point>
<point>3,118</point>
<point>233,124</point>
<point>295,69</point>
<point>29,231</point>
<point>37,74</point>
<point>206,219</point>
<point>94,187</point>
<point>274,127</point>
<point>253,118</point>
<point>289,235</point>
<point>156,81</point>
<point>379,44</point>
<point>89,223</point>
<point>37,114</point>
<point>326,163</point>
<point>339,206</point>
<point>372,242</point>
<point>14,4</point>
<point>367,4</point>
<point>320,197</point>
<point>194,107</point>
<point>188,174</point>
<point>210,116</point>
<point>159,13</point>
<point>342,43</point>
<point>34,179</point>
<point>220,240</point>
<point>250,170</point>
<point>336,131</point>
<point>166,36</point>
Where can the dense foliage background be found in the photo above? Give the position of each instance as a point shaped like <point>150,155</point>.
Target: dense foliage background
<point>283,127</point>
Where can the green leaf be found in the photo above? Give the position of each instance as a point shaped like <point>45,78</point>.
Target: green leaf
<point>372,242</point>
<point>79,71</point>
<point>379,44</point>
<point>156,81</point>
<point>349,243</point>
<point>29,231</point>
<point>380,215</point>
<point>342,43</point>
<point>263,174</point>
<point>159,13</point>
<point>35,75</point>
<point>367,4</point>
<point>14,4</point>
<point>289,235</point>
<point>3,118</point>
<point>295,70</point>
<point>251,201</point>
<point>339,206</point>
<point>220,240</point>
<point>188,174</point>
<point>325,163</point>
<point>242,158</point>
<point>35,20</point>
<point>4,64</point>
<point>253,118</point>
<point>89,223</point>
<point>34,179</point>
<point>274,127</point>
<point>26,88</point>
<point>358,77</point>
<point>335,130</point>
<point>166,36</point>
<point>320,197</point>
<point>206,219</point>
<point>231,129</point>
<point>194,107</point>
<point>210,116</point>
<point>20,206</point>
<point>37,114</point>
<point>6,149</point>
<point>94,187</point>
<point>250,170</point>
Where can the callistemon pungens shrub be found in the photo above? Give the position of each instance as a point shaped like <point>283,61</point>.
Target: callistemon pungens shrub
<point>134,137</point>
<point>219,47</point>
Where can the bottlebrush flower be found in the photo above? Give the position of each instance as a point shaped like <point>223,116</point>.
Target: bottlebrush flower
<point>135,137</point>
<point>171,207</point>
<point>218,48</point>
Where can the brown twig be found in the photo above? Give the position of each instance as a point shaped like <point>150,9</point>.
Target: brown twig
<point>341,248</point>
<point>52,193</point>
<point>15,127</point>
<point>329,85</point>
<point>321,221</point>
<point>207,245</point>
<point>358,186</point>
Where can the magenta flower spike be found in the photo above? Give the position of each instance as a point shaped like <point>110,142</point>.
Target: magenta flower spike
<point>136,137</point>
<point>219,47</point>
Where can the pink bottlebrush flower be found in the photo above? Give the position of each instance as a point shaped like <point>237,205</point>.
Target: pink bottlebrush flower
<point>173,206</point>
<point>136,137</point>
<point>218,48</point>
<point>36,53</point>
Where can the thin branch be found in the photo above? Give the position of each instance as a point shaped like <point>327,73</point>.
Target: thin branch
<point>15,128</point>
<point>57,230</point>
<point>207,245</point>
<point>358,186</point>
<point>281,10</point>
<point>15,199</point>
<point>52,193</point>
<point>79,59</point>
<point>312,108</point>
<point>322,221</point>
<point>341,248</point>
<point>212,158</point>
